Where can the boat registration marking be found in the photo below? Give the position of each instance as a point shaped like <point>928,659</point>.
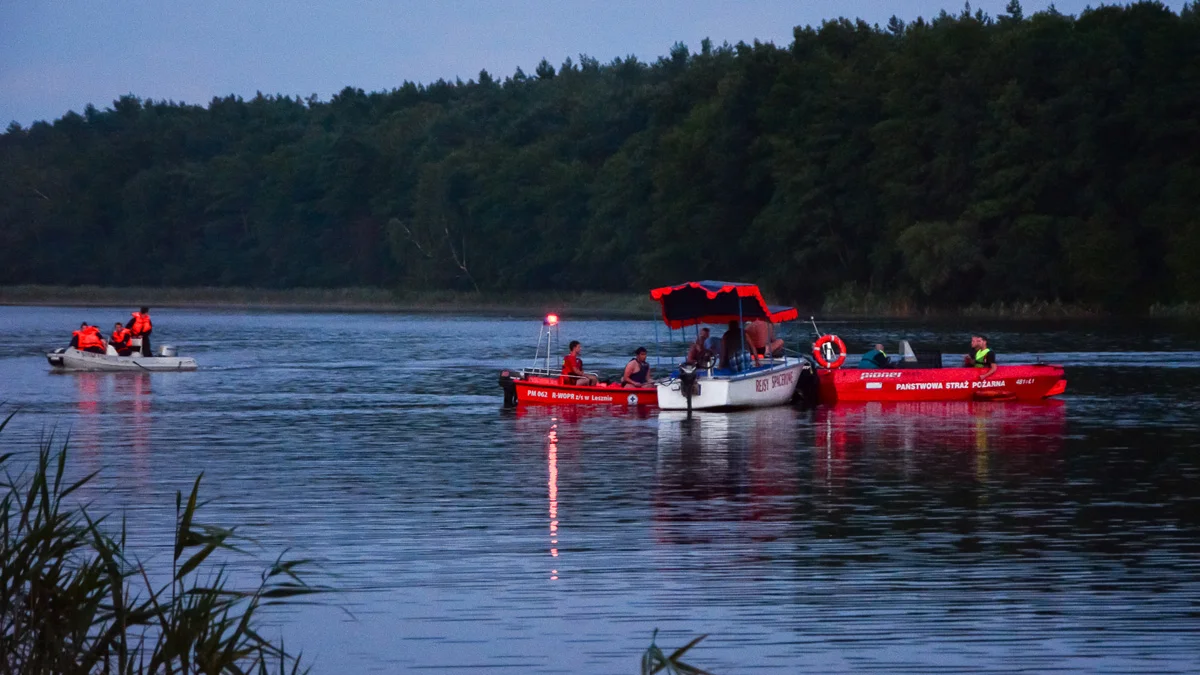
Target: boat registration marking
<point>977,384</point>
<point>769,383</point>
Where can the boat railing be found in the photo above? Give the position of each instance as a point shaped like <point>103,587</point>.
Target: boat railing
<point>550,372</point>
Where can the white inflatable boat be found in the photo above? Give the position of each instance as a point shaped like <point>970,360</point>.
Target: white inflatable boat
<point>69,358</point>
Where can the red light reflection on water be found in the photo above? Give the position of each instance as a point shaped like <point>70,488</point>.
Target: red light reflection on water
<point>552,461</point>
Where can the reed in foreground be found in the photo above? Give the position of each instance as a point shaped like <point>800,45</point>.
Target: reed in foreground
<point>655,660</point>
<point>72,601</point>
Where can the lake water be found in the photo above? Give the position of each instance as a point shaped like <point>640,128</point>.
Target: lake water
<point>993,537</point>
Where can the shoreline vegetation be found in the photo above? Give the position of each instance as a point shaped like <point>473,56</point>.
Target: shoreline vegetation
<point>991,162</point>
<point>581,304</point>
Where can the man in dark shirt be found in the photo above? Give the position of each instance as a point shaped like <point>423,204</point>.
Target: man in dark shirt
<point>731,344</point>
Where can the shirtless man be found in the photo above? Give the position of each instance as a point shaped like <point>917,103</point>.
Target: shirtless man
<point>761,338</point>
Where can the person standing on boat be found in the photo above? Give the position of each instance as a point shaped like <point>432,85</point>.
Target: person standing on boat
<point>637,371</point>
<point>572,369</point>
<point>140,327</point>
<point>876,358</point>
<point>982,358</point>
<point>120,339</point>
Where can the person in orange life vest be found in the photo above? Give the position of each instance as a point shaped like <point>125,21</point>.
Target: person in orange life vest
<point>572,369</point>
<point>75,335</point>
<point>87,339</point>
<point>637,371</point>
<point>140,327</point>
<point>120,339</point>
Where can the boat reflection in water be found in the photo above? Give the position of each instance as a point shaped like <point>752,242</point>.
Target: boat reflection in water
<point>564,429</point>
<point>929,425</point>
<point>113,413</point>
<point>945,437</point>
<point>739,469</point>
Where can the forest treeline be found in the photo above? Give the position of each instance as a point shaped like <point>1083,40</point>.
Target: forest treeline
<point>967,159</point>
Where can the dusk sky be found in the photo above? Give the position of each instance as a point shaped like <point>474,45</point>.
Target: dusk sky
<point>59,56</point>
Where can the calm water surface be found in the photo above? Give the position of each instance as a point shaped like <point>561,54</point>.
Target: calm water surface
<point>908,538</point>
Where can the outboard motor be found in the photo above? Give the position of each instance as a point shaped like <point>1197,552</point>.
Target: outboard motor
<point>687,383</point>
<point>807,386</point>
<point>510,389</point>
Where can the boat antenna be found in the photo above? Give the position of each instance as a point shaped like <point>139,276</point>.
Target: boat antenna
<point>814,324</point>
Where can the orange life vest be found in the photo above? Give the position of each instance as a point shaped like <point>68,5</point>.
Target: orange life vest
<point>120,338</point>
<point>89,337</point>
<point>140,324</point>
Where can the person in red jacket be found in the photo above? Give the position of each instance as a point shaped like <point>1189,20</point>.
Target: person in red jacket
<point>120,339</point>
<point>572,369</point>
<point>140,327</point>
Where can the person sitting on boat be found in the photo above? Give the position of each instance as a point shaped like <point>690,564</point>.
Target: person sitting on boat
<point>120,339</point>
<point>88,339</point>
<point>876,358</point>
<point>760,335</point>
<point>982,358</point>
<point>140,327</point>
<point>731,346</point>
<point>572,369</point>
<point>637,371</point>
<point>700,352</point>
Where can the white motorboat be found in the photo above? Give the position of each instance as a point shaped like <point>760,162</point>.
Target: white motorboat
<point>751,382</point>
<point>71,359</point>
<point>758,387</point>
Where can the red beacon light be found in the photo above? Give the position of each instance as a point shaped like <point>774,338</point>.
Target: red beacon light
<point>551,319</point>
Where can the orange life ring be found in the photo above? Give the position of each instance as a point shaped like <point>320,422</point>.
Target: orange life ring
<point>823,351</point>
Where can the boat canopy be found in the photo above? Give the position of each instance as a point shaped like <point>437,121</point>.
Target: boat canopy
<point>716,302</point>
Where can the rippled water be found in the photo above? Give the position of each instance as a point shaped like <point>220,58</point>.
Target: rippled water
<point>991,537</point>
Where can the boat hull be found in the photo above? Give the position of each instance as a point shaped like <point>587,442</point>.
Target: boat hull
<point>548,391</point>
<point>71,359</point>
<point>759,388</point>
<point>1008,383</point>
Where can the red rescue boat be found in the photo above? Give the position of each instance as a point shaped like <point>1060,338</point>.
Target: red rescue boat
<point>545,385</point>
<point>1008,383</point>
<point>910,378</point>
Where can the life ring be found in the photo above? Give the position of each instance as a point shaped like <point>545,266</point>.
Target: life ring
<point>823,351</point>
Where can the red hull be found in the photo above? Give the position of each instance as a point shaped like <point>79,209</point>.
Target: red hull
<point>548,391</point>
<point>1008,383</point>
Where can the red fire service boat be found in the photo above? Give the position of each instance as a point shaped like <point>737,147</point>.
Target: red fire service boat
<point>921,377</point>
<point>544,384</point>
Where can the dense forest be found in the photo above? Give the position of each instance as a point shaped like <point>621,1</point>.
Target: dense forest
<point>966,159</point>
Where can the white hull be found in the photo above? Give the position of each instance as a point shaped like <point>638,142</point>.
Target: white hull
<point>73,359</point>
<point>759,388</point>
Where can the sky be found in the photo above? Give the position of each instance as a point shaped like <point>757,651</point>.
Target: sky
<point>57,56</point>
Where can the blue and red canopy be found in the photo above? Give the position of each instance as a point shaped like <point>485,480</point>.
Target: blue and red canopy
<point>716,302</point>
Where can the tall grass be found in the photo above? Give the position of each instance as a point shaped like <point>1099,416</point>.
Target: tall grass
<point>74,602</point>
<point>655,660</point>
